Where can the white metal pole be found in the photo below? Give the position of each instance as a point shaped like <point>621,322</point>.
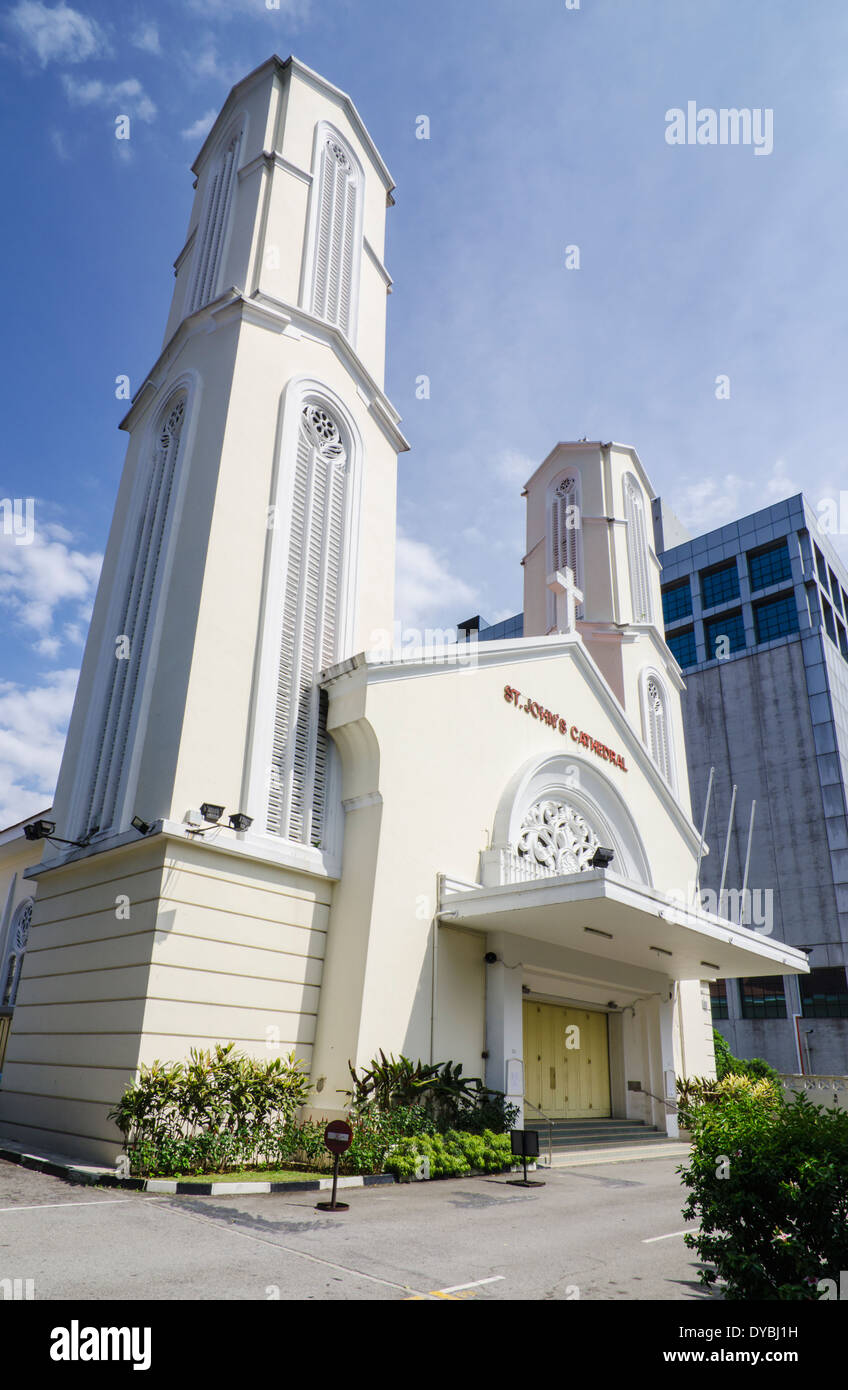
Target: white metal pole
<point>727,846</point>
<point>747,862</point>
<point>703,835</point>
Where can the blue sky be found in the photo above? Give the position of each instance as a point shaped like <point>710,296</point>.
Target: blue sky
<point>547,130</point>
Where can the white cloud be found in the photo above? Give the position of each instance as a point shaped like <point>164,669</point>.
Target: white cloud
<point>60,145</point>
<point>201,127</point>
<point>708,502</point>
<point>125,98</point>
<point>146,37</point>
<point>37,579</point>
<point>33,723</point>
<point>229,9</point>
<point>57,35</point>
<point>427,593</point>
<point>514,468</point>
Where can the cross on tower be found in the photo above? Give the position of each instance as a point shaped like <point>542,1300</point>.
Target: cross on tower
<point>568,596</point>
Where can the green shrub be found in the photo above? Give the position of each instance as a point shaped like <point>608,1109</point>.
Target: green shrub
<point>769,1184</point>
<point>218,1110</point>
<point>451,1100</point>
<point>451,1155</point>
<point>728,1065</point>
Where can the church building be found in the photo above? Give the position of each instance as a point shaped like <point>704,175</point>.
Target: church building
<point>270,827</point>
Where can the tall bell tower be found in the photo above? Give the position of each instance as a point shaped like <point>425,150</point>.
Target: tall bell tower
<point>252,547</point>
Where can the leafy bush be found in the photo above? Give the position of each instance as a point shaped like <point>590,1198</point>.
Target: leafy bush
<point>217,1111</point>
<point>451,1155</point>
<point>769,1184</point>
<point>451,1100</point>
<point>694,1092</point>
<point>728,1065</point>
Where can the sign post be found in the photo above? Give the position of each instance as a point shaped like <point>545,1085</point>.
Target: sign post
<point>525,1144</point>
<point>338,1137</point>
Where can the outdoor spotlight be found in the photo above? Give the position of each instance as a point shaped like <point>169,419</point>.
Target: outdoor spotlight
<point>602,858</point>
<point>140,825</point>
<point>240,821</point>
<point>40,829</point>
<point>211,812</point>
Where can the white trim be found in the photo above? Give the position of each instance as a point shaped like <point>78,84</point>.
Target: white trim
<point>555,563</point>
<point>512,652</point>
<point>378,264</point>
<point>650,673</point>
<point>189,383</point>
<point>266,311</point>
<point>638,551</point>
<point>324,131</point>
<point>299,392</point>
<point>234,132</point>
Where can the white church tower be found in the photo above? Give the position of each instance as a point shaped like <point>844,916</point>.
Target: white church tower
<point>252,547</point>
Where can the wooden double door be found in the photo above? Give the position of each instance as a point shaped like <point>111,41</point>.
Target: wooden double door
<point>566,1061</point>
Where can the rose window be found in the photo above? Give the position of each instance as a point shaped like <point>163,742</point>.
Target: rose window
<point>556,838</point>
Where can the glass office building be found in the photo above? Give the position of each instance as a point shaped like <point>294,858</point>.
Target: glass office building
<point>756,614</point>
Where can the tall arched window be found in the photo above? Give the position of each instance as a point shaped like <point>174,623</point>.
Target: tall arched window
<point>337,233</point>
<point>310,637</point>
<point>18,938</point>
<point>565,534</point>
<point>658,726</point>
<point>134,620</point>
<point>212,231</point>
<point>637,551</point>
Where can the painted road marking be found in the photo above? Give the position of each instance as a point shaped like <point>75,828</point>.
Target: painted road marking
<point>456,1291</point>
<point>670,1235</point>
<point>52,1206</point>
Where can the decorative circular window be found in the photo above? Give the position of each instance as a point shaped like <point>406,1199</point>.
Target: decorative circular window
<point>339,155</point>
<point>556,837</point>
<point>323,434</point>
<point>20,925</point>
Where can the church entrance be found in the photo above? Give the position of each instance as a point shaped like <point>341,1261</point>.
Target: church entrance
<point>566,1061</point>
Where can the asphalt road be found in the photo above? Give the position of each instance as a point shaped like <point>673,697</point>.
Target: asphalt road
<point>607,1232</point>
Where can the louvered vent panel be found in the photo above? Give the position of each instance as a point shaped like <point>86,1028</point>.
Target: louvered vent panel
<point>135,619</point>
<point>297,803</point>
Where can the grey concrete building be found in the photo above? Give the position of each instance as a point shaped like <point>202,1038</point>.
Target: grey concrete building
<point>756,614</point>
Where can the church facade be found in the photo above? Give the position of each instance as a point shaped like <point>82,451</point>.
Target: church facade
<point>484,854</point>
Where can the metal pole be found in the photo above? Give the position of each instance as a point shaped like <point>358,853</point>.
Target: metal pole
<point>703,834</point>
<point>727,846</point>
<point>747,862</point>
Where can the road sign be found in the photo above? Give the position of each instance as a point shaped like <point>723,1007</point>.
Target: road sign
<point>338,1136</point>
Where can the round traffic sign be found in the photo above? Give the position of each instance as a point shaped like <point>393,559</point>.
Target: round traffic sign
<point>338,1136</point>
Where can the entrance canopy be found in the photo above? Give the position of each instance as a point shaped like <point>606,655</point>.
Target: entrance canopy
<point>597,912</point>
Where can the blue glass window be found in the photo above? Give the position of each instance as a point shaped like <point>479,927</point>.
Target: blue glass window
<point>677,601</point>
<point>718,998</point>
<point>683,648</point>
<point>770,566</point>
<point>834,588</point>
<point>776,618</point>
<point>763,997</point>
<point>729,625</point>
<point>828,620</point>
<point>843,641</point>
<point>821,567</point>
<point>824,993</point>
<point>720,585</point>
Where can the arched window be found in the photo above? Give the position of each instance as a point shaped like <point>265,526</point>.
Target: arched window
<point>658,726</point>
<point>134,620</point>
<point>18,938</point>
<point>336,232</point>
<point>637,551</point>
<point>565,534</point>
<point>212,231</point>
<point>310,636</point>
